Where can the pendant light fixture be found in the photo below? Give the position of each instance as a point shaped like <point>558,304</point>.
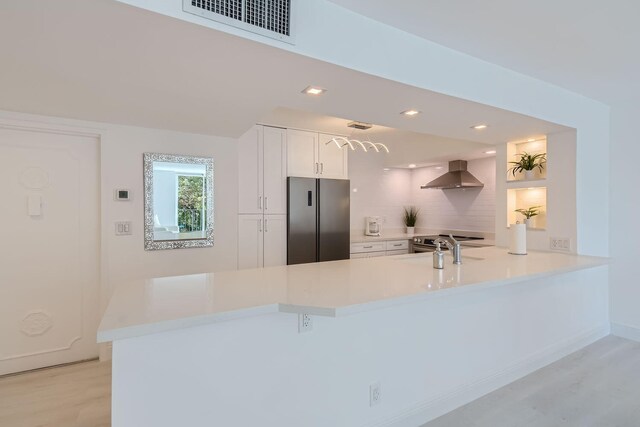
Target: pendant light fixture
<point>352,143</point>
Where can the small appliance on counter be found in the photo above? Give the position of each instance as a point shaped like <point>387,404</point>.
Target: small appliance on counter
<point>373,226</point>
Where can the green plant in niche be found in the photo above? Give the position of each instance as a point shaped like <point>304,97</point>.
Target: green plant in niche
<point>410,216</point>
<point>529,212</point>
<point>528,162</point>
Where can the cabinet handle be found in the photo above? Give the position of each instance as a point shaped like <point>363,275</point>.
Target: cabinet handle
<point>367,247</point>
<point>321,168</point>
<point>398,244</point>
<point>317,167</point>
<point>266,204</point>
<point>259,202</point>
<point>260,225</point>
<point>265,226</point>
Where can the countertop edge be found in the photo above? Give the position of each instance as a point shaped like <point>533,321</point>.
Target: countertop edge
<point>107,335</point>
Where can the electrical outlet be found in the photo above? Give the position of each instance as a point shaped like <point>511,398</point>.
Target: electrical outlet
<point>375,393</point>
<point>305,323</point>
<point>560,244</point>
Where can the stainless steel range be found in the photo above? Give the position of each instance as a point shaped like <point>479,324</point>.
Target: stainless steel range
<point>426,243</point>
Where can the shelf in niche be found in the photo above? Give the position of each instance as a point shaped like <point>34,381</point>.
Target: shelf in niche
<point>530,228</point>
<point>524,183</point>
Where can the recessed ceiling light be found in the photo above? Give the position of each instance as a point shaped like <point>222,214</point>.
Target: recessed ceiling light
<point>410,113</point>
<point>314,90</point>
<point>490,152</point>
<point>438,167</point>
<point>386,169</point>
<point>479,127</point>
<point>412,165</point>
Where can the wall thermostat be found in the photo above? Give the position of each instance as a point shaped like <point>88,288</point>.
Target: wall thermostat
<point>122,195</point>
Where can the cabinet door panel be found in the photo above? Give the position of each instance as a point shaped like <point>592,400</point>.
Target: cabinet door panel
<point>333,159</point>
<point>275,170</point>
<point>301,153</point>
<point>275,240</point>
<point>250,241</point>
<point>250,171</point>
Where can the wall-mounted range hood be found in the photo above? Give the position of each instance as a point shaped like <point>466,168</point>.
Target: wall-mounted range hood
<point>457,177</point>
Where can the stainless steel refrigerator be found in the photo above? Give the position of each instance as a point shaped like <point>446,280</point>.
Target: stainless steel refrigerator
<point>318,222</point>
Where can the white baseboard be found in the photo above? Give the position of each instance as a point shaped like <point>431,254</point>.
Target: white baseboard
<point>426,411</point>
<point>625,331</point>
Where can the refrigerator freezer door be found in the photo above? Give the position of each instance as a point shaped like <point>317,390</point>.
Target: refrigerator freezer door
<point>302,240</point>
<point>334,219</point>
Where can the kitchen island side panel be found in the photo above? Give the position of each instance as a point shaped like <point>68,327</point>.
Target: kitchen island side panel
<point>429,356</point>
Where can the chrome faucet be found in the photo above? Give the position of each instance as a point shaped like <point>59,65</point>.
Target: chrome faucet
<point>454,246</point>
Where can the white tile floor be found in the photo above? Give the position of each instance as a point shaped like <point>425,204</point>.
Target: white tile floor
<point>598,386</point>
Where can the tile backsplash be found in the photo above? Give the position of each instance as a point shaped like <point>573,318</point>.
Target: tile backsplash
<point>376,192</point>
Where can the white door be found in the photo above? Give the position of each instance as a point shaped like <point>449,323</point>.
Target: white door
<point>302,153</point>
<point>275,240</point>
<point>250,241</point>
<point>275,170</point>
<point>49,251</point>
<point>250,171</point>
<point>333,159</point>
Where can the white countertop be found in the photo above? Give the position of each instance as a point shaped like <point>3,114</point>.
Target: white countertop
<point>334,288</point>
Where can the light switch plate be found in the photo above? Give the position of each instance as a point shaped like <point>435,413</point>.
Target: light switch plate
<point>123,228</point>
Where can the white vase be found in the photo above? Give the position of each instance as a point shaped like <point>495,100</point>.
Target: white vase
<point>528,222</point>
<point>411,230</point>
<point>529,175</point>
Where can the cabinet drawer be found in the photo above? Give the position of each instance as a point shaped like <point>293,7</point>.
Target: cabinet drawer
<point>398,252</point>
<point>367,247</point>
<point>395,245</point>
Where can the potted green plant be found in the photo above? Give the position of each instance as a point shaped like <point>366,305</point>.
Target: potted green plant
<point>410,217</point>
<point>529,213</point>
<point>528,164</point>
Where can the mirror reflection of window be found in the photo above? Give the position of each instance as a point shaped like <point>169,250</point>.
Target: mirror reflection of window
<point>179,201</point>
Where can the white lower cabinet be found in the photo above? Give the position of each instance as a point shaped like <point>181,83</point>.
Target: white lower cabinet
<point>377,249</point>
<point>262,241</point>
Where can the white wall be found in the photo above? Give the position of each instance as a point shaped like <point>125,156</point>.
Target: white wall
<point>379,192</point>
<point>463,209</point>
<point>625,217</point>
<point>123,257</point>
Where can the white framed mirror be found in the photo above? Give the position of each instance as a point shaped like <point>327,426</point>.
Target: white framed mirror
<point>178,201</point>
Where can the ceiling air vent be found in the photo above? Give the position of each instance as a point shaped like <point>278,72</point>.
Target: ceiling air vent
<point>271,18</point>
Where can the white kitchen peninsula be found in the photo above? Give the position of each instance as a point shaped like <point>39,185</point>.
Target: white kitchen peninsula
<point>223,349</point>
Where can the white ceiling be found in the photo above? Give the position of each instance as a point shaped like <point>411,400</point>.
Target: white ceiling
<point>105,61</point>
<point>587,46</point>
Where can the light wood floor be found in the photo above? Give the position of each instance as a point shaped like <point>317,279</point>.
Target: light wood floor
<point>77,395</point>
<point>598,386</point>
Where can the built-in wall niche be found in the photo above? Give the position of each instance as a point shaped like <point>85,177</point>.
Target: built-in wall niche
<point>525,198</point>
<point>531,146</point>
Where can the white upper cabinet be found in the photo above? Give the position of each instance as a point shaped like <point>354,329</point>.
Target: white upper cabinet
<point>262,171</point>
<point>302,153</point>
<point>274,170</point>
<point>333,159</point>
<point>312,155</point>
<point>250,185</point>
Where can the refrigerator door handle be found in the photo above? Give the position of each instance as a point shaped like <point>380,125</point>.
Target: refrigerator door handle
<point>309,198</point>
